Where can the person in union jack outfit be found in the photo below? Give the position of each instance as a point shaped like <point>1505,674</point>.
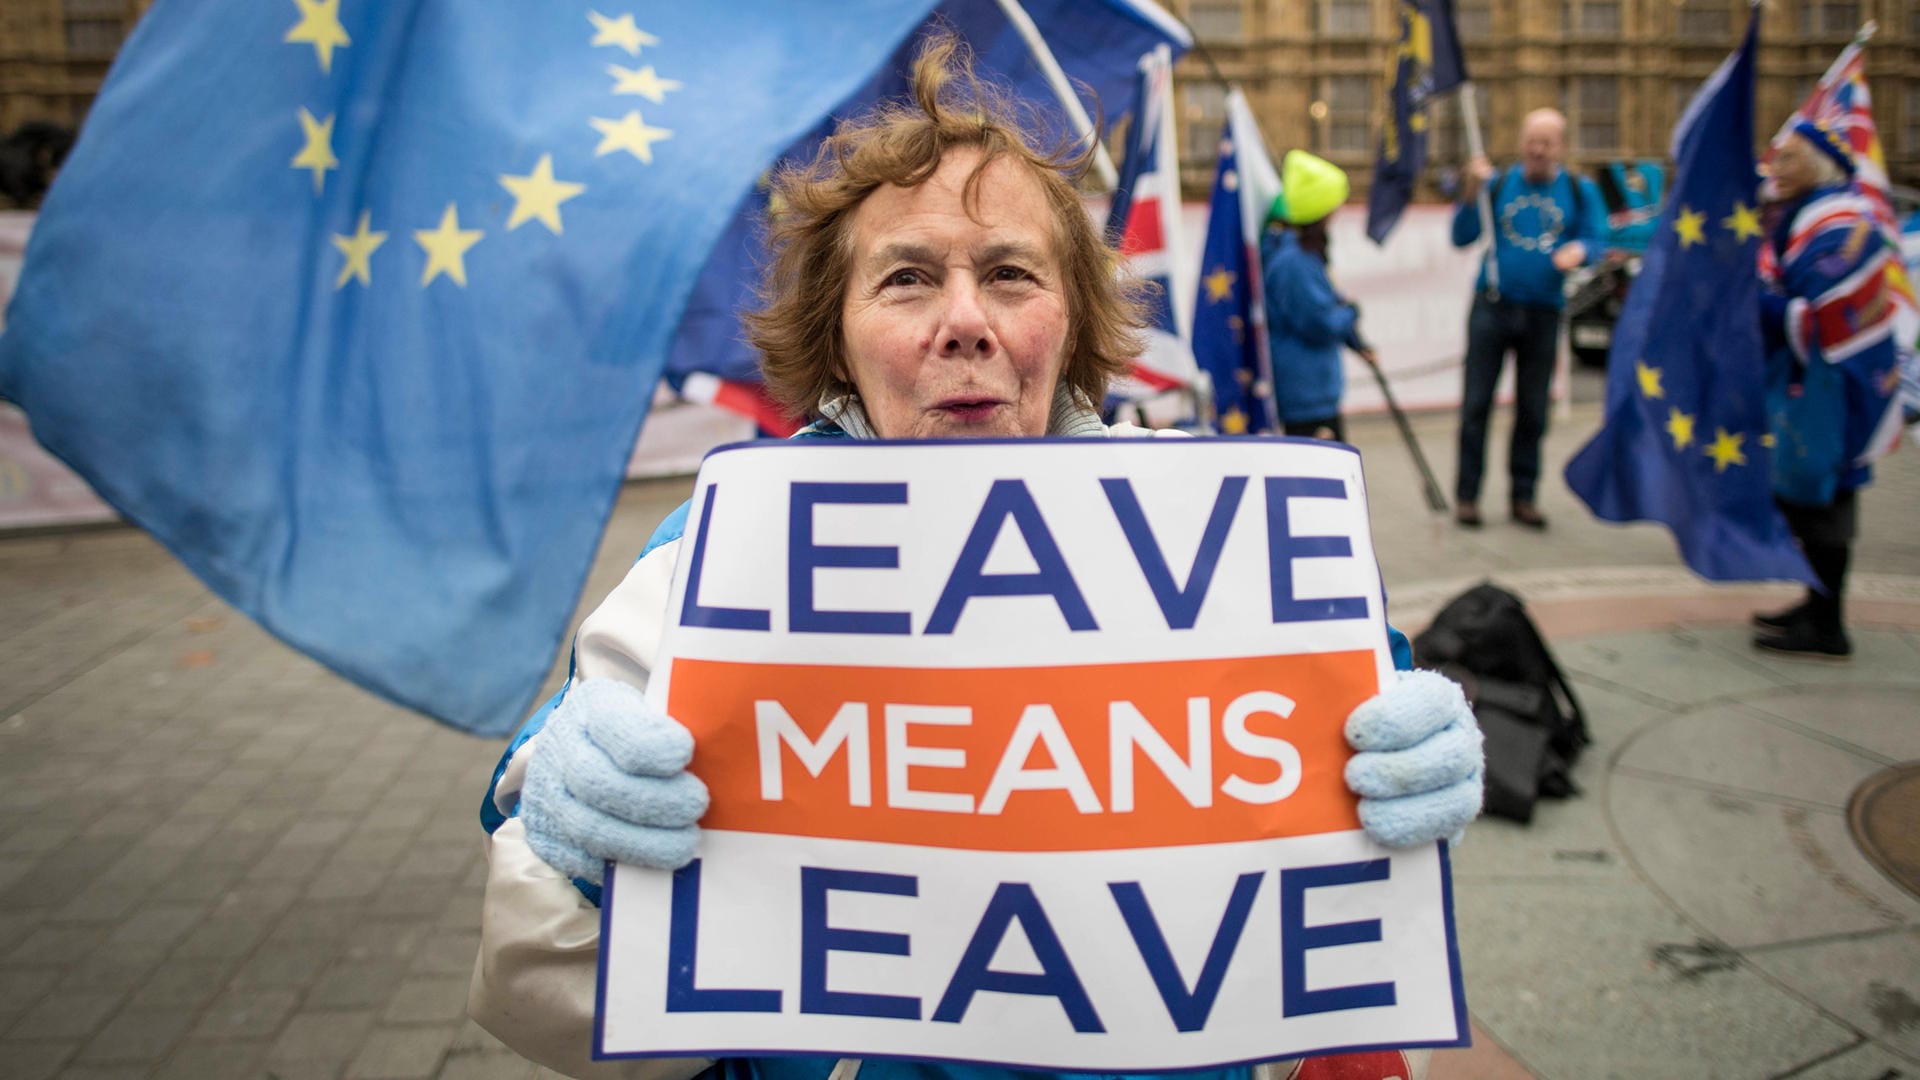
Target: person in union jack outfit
<point>1827,317</point>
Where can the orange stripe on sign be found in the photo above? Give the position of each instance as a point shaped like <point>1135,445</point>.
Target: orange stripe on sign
<point>1027,759</point>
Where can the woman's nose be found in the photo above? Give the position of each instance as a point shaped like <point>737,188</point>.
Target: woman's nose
<point>964,330</point>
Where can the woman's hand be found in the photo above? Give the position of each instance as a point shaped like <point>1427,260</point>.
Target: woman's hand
<point>1419,768</point>
<point>608,781</point>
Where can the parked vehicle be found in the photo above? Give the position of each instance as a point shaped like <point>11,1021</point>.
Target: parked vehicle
<point>1596,294</point>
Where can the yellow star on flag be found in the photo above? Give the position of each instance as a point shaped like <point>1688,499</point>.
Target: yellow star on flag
<point>319,26</point>
<point>446,248</point>
<point>1233,421</point>
<point>1680,426</point>
<point>1768,440</point>
<point>1219,284</point>
<point>358,248</point>
<point>628,133</point>
<point>620,32</point>
<point>538,196</point>
<point>1649,380</point>
<point>1725,450</point>
<point>1744,221</point>
<point>318,153</point>
<point>643,82</point>
<point>1689,227</point>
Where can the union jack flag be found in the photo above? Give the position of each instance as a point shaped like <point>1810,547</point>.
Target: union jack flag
<point>1145,219</point>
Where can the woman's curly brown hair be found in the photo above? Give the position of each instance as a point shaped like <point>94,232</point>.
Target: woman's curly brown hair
<point>810,244</point>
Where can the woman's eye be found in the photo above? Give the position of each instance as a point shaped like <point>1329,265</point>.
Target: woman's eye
<point>1009,273</point>
<point>904,277</point>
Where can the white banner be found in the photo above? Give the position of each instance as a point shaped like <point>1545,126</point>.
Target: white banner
<point>1028,753</point>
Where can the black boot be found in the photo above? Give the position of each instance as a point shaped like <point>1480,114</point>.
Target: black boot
<point>1807,637</point>
<point>1817,630</point>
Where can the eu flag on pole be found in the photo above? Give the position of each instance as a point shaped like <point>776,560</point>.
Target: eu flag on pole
<point>1226,337</point>
<point>357,305</point>
<point>1427,65</point>
<point>1683,435</point>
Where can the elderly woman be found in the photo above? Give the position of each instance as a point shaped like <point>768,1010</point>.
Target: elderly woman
<point>932,276</point>
<point>1830,370</point>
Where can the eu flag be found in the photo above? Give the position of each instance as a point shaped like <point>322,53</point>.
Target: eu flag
<point>1683,440</point>
<point>357,305</point>
<point>1428,63</point>
<point>1225,336</point>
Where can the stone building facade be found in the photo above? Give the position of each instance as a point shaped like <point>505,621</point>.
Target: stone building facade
<point>54,54</point>
<point>1315,72</point>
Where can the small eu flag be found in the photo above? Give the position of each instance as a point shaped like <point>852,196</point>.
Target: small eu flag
<point>1225,334</point>
<point>357,305</point>
<point>1427,65</point>
<point>1684,435</point>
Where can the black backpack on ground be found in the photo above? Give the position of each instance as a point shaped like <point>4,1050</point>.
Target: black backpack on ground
<point>1534,726</point>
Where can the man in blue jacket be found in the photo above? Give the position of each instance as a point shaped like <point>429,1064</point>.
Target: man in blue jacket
<point>1546,221</point>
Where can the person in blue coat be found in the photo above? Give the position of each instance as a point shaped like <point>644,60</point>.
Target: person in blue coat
<point>1547,221</point>
<point>1308,323</point>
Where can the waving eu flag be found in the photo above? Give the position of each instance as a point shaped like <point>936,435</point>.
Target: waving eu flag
<point>357,305</point>
<point>1683,437</point>
<point>1428,64</point>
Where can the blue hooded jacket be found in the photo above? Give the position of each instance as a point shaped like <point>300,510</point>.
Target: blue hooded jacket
<point>1307,324</point>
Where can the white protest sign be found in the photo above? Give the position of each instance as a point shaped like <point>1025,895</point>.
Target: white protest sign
<point>1028,753</point>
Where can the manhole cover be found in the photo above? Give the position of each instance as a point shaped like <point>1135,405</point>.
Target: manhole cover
<point>1884,813</point>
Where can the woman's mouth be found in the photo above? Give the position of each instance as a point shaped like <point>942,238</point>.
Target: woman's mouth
<point>969,410</point>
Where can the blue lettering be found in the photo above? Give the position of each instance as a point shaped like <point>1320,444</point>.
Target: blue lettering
<point>683,942</point>
<point>1188,1010</point>
<point>1009,499</point>
<point>817,939</point>
<point>692,612</point>
<point>1283,548</point>
<point>1296,938</point>
<point>804,557</point>
<point>1011,901</point>
<point>1180,606</point>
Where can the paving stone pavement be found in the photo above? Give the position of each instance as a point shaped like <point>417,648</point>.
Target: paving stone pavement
<point>219,860</point>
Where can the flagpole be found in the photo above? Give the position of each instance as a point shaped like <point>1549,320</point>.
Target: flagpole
<point>1477,147</point>
<point>1062,89</point>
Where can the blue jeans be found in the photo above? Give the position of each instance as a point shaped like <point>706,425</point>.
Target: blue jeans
<point>1533,334</point>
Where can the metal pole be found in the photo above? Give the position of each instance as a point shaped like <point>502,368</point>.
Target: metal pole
<point>1477,147</point>
<point>1436,497</point>
<point>1062,89</point>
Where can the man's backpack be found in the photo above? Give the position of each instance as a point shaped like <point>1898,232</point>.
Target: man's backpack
<point>1534,726</point>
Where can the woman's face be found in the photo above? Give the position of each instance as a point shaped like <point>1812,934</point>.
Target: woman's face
<point>1793,168</point>
<point>952,326</point>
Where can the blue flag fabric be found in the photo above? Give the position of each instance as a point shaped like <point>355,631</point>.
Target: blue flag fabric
<point>358,306</point>
<point>1098,43</point>
<point>1683,440</point>
<point>1225,342</point>
<point>1429,63</point>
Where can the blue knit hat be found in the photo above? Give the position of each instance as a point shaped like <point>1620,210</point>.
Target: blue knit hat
<point>1827,141</point>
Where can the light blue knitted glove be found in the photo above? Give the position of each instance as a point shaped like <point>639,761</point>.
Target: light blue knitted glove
<point>609,781</point>
<point>1419,767</point>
